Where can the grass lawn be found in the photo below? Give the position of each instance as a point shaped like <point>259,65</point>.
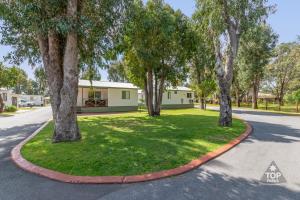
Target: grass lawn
<point>7,114</point>
<point>132,143</point>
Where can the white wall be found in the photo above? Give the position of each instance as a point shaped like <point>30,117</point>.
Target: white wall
<point>176,98</point>
<point>36,99</point>
<point>10,95</point>
<point>115,97</point>
<point>85,91</point>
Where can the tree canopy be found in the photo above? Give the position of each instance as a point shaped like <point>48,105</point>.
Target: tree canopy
<point>156,49</point>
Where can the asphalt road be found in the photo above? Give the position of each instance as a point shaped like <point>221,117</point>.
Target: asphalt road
<point>234,175</point>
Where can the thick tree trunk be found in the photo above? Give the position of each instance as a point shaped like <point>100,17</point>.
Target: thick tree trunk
<point>254,97</point>
<point>225,105</point>
<point>153,93</point>
<point>1,104</point>
<point>60,58</point>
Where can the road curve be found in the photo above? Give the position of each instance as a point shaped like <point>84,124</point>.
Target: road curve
<point>234,175</point>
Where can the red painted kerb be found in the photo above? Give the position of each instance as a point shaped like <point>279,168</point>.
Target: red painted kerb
<point>30,167</point>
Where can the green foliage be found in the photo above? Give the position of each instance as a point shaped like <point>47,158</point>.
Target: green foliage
<point>11,76</point>
<point>90,73</point>
<point>10,109</point>
<point>116,72</point>
<point>41,80</point>
<point>283,72</point>
<point>202,63</point>
<point>98,25</point>
<point>156,38</point>
<point>293,97</point>
<point>243,13</point>
<point>132,143</point>
<point>255,51</point>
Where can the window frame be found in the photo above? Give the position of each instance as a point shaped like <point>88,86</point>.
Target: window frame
<point>125,95</point>
<point>169,95</point>
<point>4,96</point>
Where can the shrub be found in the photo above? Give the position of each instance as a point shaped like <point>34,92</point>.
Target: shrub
<point>10,108</point>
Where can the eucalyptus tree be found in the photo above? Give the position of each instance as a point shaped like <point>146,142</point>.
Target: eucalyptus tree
<point>63,34</point>
<point>9,77</point>
<point>225,22</point>
<point>283,69</point>
<point>19,78</point>
<point>116,72</point>
<point>41,80</point>
<point>156,49</point>
<point>254,55</point>
<point>201,63</point>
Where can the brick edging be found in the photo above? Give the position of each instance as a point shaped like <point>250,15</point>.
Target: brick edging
<point>54,175</point>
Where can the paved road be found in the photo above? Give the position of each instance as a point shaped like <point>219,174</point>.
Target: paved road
<point>234,175</point>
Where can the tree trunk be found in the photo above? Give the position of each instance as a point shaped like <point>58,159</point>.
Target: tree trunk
<point>254,97</point>
<point>202,102</point>
<point>237,98</point>
<point>150,92</point>
<point>60,58</point>
<point>297,106</point>
<point>159,94</point>
<point>225,105</point>
<point>1,104</point>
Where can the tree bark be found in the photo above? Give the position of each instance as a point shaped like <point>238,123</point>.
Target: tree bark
<point>224,70</point>
<point>237,98</point>
<point>254,97</point>
<point>60,58</point>
<point>1,104</point>
<point>225,105</point>
<point>202,102</point>
<point>150,92</point>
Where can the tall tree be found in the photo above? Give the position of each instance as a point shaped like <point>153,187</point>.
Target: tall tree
<point>41,80</point>
<point>8,79</point>
<point>20,79</point>
<point>284,68</point>
<point>63,35</point>
<point>116,72</point>
<point>255,52</point>
<point>202,60</point>
<point>225,22</point>
<point>156,42</point>
<point>90,73</point>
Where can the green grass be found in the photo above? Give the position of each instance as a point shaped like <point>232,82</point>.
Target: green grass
<point>7,114</point>
<point>132,143</point>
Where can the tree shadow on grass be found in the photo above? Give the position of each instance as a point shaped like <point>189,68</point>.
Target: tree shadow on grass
<point>135,145</point>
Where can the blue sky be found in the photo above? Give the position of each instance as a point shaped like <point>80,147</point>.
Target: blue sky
<point>284,22</point>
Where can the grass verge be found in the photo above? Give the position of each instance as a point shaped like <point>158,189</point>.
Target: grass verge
<point>132,143</point>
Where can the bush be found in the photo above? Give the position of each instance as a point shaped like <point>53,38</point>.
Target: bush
<point>10,109</point>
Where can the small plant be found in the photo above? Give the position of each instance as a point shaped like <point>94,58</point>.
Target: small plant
<point>10,109</point>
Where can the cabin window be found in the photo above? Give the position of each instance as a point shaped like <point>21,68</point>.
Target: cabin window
<point>125,94</point>
<point>175,92</point>
<point>94,95</point>
<point>189,95</point>
<point>98,95</point>
<point>4,95</point>
<point>169,95</point>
